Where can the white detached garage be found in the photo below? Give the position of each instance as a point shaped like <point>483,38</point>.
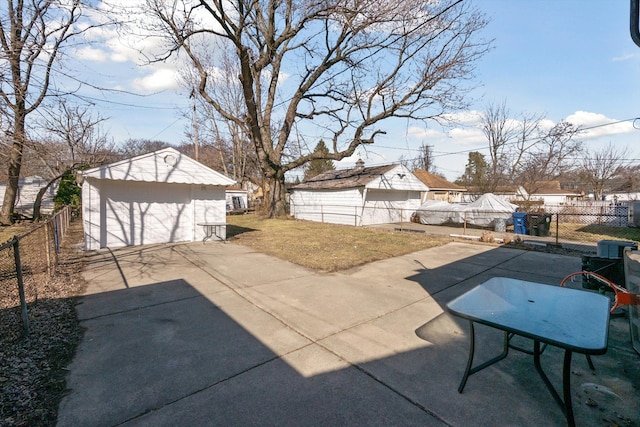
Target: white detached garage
<point>359,196</point>
<point>159,197</point>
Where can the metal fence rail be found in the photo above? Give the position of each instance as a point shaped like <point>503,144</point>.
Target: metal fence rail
<point>27,262</point>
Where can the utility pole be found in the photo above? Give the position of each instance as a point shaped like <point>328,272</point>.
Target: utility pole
<point>195,124</point>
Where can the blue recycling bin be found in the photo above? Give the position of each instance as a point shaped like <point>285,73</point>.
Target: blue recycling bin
<point>520,223</point>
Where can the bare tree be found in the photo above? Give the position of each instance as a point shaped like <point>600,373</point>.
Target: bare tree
<point>236,154</point>
<point>71,139</point>
<point>424,161</point>
<point>600,166</point>
<point>334,69</point>
<point>549,157</point>
<point>32,35</point>
<point>509,142</point>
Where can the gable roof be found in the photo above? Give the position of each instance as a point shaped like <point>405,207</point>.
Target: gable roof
<point>435,182</point>
<point>344,178</point>
<point>167,165</point>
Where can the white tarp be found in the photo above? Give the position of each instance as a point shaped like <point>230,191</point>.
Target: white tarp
<point>483,212</point>
<point>436,212</point>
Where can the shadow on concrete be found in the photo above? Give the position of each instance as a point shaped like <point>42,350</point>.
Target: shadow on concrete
<point>167,353</point>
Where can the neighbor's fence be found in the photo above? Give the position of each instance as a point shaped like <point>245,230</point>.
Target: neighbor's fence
<point>585,223</point>
<point>579,225</point>
<point>27,262</point>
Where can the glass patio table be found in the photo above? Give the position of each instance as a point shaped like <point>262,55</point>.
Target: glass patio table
<point>574,320</point>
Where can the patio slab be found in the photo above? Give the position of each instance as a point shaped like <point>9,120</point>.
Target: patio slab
<point>215,334</point>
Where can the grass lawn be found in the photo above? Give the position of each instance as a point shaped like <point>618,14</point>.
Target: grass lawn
<point>324,247</point>
<point>7,232</point>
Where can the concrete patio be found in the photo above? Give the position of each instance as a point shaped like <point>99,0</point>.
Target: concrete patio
<point>216,334</point>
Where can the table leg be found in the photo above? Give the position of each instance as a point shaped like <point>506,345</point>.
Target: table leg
<point>566,387</point>
<point>469,370</point>
<point>566,405</point>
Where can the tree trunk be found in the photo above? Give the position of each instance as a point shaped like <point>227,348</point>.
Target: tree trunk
<point>38,202</point>
<point>275,197</point>
<point>15,163</point>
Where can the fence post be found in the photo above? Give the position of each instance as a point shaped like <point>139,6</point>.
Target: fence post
<point>56,237</point>
<point>47,245</point>
<point>557,229</point>
<point>23,299</point>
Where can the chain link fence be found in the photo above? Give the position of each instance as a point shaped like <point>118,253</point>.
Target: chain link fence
<point>578,226</point>
<point>583,224</point>
<point>27,262</point>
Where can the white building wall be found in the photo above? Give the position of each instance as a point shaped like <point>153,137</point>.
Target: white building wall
<point>332,206</point>
<point>120,213</point>
<point>389,206</point>
<point>91,214</point>
<point>209,206</point>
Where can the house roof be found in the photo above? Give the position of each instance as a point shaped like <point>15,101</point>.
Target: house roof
<point>386,177</point>
<point>499,190</point>
<point>344,178</point>
<point>167,165</point>
<point>435,182</point>
<point>550,188</point>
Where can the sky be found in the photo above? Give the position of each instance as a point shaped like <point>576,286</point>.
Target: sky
<point>568,60</point>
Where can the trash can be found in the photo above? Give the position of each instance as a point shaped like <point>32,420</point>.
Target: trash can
<point>539,224</point>
<point>520,223</point>
<point>500,225</point>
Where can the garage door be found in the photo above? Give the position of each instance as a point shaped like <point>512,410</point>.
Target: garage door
<point>141,213</point>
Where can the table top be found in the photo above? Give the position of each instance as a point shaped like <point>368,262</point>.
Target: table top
<point>568,318</point>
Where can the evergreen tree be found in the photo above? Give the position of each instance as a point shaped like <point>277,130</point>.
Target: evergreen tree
<point>317,166</point>
<point>475,172</point>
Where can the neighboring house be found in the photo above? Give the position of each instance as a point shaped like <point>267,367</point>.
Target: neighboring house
<point>159,197</point>
<point>28,190</point>
<point>358,196</point>
<point>550,193</point>
<point>509,193</point>
<point>237,200</point>
<point>439,188</point>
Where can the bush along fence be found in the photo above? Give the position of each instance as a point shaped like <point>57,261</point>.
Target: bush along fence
<point>27,262</point>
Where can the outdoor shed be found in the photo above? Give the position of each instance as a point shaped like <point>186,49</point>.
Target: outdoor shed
<point>158,197</point>
<point>358,196</point>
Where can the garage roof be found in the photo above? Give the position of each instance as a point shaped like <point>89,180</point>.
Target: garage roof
<point>166,165</point>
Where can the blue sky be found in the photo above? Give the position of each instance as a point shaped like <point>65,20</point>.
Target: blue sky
<point>567,59</point>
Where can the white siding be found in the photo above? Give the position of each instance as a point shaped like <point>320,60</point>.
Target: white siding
<point>398,178</point>
<point>209,206</point>
<point>385,206</point>
<point>120,213</point>
<point>145,213</point>
<point>332,206</point>
<point>91,214</point>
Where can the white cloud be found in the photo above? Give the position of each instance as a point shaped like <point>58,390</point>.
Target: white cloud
<point>467,136</point>
<point>598,125</point>
<point>158,80</point>
<point>472,117</point>
<point>92,54</point>
<point>417,132</point>
<point>626,57</point>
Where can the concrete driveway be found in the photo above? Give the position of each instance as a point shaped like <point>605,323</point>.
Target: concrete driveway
<point>216,334</point>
